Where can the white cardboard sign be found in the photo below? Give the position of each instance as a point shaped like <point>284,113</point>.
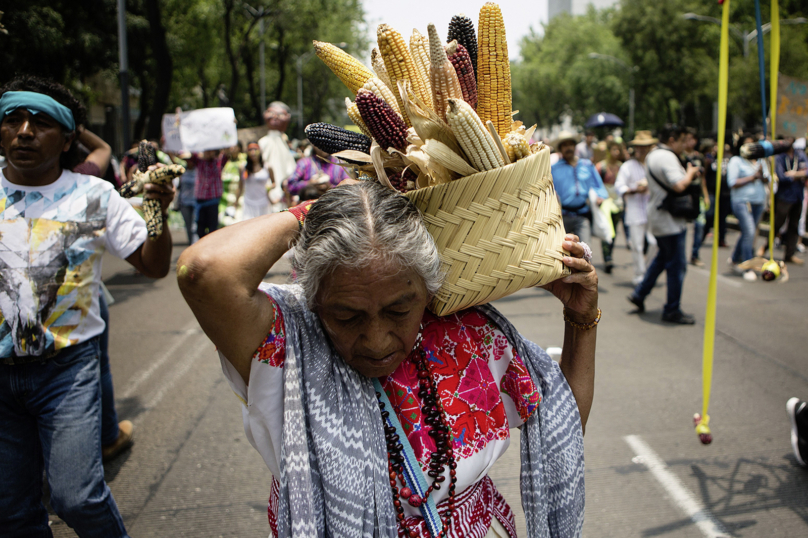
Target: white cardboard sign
<point>200,130</point>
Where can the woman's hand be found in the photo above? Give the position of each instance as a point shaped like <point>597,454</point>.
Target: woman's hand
<point>578,291</point>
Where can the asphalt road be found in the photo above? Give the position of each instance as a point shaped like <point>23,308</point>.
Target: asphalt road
<point>192,472</point>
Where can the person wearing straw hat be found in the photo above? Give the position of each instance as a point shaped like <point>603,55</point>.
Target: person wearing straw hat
<point>663,164</point>
<point>573,178</point>
<point>376,417</point>
<point>632,185</point>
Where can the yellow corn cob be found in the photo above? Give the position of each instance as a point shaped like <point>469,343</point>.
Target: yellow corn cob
<point>516,145</point>
<point>400,65</point>
<point>419,49</point>
<point>349,70</point>
<point>442,75</point>
<point>377,62</point>
<point>380,88</point>
<point>493,70</point>
<point>356,117</point>
<point>473,136</point>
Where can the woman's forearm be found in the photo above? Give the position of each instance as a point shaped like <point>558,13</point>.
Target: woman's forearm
<point>578,365</point>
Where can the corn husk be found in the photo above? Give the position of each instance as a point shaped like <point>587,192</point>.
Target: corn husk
<point>425,121</point>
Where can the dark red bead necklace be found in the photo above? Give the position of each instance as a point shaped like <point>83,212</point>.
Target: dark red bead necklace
<point>443,456</point>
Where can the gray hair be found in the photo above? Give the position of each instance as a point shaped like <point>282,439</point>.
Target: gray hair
<point>365,223</point>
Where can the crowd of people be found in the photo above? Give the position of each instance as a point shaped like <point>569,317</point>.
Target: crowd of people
<point>334,431</point>
<point>634,184</point>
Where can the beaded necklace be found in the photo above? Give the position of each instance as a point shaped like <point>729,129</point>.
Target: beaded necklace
<point>443,456</point>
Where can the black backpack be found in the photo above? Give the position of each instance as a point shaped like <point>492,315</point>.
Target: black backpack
<point>683,204</point>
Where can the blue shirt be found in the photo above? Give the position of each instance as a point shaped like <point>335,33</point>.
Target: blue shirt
<point>752,192</point>
<point>572,185</point>
<point>790,190</point>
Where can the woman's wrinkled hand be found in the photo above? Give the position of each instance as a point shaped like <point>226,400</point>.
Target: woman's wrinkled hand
<point>578,291</point>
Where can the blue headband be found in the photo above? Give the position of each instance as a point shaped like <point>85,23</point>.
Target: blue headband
<point>35,103</point>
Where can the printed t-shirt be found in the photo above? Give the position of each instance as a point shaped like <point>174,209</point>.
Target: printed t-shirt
<point>484,387</point>
<point>52,239</point>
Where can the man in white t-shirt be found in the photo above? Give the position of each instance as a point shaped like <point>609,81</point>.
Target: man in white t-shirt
<point>275,150</point>
<point>55,226</point>
<point>663,165</point>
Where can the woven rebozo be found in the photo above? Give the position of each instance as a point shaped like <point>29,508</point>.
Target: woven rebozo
<point>497,232</point>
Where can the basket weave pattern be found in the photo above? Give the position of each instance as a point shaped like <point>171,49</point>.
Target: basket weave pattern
<point>497,232</point>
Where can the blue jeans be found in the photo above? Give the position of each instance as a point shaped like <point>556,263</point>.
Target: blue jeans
<point>109,417</point>
<point>50,418</point>
<point>748,221</point>
<point>698,237</point>
<point>670,258</point>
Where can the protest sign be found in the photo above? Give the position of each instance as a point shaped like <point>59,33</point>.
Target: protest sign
<point>171,133</point>
<point>792,107</point>
<point>207,128</point>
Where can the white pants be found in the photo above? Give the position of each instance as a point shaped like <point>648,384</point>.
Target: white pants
<point>638,235</point>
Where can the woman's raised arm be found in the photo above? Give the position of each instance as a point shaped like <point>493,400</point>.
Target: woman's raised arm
<point>219,277</point>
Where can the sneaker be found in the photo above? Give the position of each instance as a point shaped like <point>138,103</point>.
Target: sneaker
<point>636,301</point>
<point>697,262</point>
<point>799,432</point>
<point>750,276</point>
<point>680,318</point>
<point>126,434</point>
<point>795,260</point>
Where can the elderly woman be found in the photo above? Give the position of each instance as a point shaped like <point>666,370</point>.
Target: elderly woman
<point>375,417</point>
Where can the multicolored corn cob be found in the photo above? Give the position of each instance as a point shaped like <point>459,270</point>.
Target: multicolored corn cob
<point>473,136</point>
<point>516,145</point>
<point>402,181</point>
<point>442,75</point>
<point>493,70</point>
<point>356,117</point>
<point>380,88</point>
<point>385,125</point>
<point>333,139</point>
<point>459,57</point>
<point>400,65</point>
<point>347,68</point>
<point>419,49</point>
<point>461,29</point>
<point>377,62</point>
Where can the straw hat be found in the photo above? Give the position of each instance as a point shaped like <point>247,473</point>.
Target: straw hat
<point>643,138</point>
<point>565,136</point>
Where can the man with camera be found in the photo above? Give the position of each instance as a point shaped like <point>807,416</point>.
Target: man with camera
<point>668,182</point>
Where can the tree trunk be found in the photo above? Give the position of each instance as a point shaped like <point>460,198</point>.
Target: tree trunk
<point>140,123</point>
<point>282,58</point>
<point>165,69</point>
<point>228,47</point>
<point>203,84</point>
<point>249,70</point>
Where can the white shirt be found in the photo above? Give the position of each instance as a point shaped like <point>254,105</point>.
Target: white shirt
<point>277,158</point>
<point>636,204</point>
<point>666,167</point>
<point>52,239</point>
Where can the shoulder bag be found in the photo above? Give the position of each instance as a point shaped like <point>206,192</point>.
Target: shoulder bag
<point>683,204</point>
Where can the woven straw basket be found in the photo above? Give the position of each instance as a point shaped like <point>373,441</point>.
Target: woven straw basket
<point>497,232</point>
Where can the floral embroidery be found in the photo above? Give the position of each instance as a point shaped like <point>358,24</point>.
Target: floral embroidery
<point>459,349</point>
<point>273,349</point>
<point>518,385</point>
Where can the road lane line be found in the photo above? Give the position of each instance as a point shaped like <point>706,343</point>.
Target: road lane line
<point>704,520</point>
<point>179,372</point>
<point>191,329</point>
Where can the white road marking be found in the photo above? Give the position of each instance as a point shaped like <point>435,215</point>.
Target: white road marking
<point>185,364</point>
<point>721,278</point>
<point>191,329</point>
<point>704,520</point>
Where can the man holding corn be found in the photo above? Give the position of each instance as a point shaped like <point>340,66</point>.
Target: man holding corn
<point>54,228</point>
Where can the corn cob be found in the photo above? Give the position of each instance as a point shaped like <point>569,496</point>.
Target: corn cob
<point>461,62</point>
<point>442,75</point>
<point>516,145</point>
<point>493,70</point>
<point>461,29</point>
<point>333,139</point>
<point>419,49</point>
<point>473,136</point>
<point>400,65</point>
<point>403,181</point>
<point>356,117</point>
<point>146,155</point>
<point>377,62</point>
<point>386,126</point>
<point>349,70</point>
<point>380,88</point>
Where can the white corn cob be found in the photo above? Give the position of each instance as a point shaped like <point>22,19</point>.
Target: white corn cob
<point>473,136</point>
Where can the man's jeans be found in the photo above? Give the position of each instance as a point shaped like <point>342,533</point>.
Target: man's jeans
<point>671,258</point>
<point>50,418</point>
<point>748,216</point>
<point>109,417</point>
<point>578,225</point>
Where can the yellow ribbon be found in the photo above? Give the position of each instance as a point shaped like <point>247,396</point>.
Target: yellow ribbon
<point>702,428</point>
<point>775,70</point>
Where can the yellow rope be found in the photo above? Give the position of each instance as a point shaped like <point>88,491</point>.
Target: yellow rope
<point>774,75</point>
<point>702,426</point>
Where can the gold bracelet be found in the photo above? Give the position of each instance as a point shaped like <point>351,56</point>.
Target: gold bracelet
<point>581,326</point>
